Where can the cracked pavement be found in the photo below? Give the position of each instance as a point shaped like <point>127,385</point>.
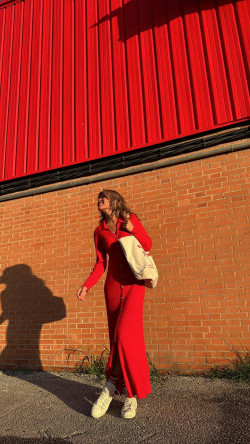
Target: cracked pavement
<point>54,408</point>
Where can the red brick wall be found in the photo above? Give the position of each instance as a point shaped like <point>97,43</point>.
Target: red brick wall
<point>196,214</point>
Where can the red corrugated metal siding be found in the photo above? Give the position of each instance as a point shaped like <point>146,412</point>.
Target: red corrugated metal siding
<point>86,78</point>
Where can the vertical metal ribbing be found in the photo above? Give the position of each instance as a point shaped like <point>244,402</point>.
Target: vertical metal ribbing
<point>177,112</point>
<point>147,43</point>
<point>2,46</point>
<point>127,83</point>
<point>62,37</point>
<point>211,92</point>
<point>19,77</point>
<point>39,105</point>
<point>229,87</point>
<point>113,79</point>
<point>99,82</point>
<point>87,93</point>
<point>243,47</point>
<point>51,67</point>
<point>157,75</point>
<point>142,78</point>
<point>189,65</point>
<point>8,96</point>
<point>28,92</point>
<point>74,83</point>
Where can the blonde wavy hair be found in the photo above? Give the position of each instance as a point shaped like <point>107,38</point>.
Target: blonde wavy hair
<point>118,205</point>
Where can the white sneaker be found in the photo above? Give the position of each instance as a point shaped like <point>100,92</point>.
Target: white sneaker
<point>129,408</point>
<point>102,403</point>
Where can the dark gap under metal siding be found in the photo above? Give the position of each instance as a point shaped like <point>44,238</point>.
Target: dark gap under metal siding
<point>148,155</point>
<point>82,80</point>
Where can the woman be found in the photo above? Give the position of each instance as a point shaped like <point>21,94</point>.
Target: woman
<point>127,369</point>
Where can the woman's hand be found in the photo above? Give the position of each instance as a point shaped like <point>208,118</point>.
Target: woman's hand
<point>82,293</point>
<point>127,225</point>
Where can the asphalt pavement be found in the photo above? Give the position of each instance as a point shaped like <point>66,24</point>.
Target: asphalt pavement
<point>54,408</point>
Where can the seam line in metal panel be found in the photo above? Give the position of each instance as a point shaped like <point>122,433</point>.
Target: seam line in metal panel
<point>127,82</point>
<point>51,78</point>
<point>170,38</point>
<point>1,59</point>
<point>208,71</point>
<point>1,65</point>
<point>62,85</point>
<point>243,50</point>
<point>190,71</point>
<point>50,85</point>
<point>241,39</point>
<point>73,80</point>
<point>40,37</point>
<point>142,77</point>
<point>8,99</point>
<point>100,151</point>
<point>25,128</point>
<point>157,75</point>
<point>228,84</point>
<point>28,87</point>
<point>87,153</point>
<point>113,77</point>
<point>40,92</point>
<point>19,89</point>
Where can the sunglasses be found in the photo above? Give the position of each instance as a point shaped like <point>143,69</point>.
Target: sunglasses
<point>101,196</point>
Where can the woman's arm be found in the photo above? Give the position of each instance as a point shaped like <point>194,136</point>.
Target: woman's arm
<point>100,265</point>
<point>140,233</point>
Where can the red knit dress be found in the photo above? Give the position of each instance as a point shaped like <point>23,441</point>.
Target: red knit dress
<point>124,296</point>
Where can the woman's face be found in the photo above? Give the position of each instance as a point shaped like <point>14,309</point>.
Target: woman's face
<point>103,203</point>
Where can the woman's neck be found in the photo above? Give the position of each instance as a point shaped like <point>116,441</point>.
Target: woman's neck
<point>111,219</point>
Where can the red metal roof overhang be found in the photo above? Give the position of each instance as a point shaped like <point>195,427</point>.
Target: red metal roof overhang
<point>86,79</point>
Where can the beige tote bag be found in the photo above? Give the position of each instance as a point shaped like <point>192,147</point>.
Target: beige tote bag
<point>140,261</point>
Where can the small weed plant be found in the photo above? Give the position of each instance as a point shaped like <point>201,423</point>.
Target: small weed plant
<point>152,368</point>
<point>89,363</point>
<point>237,370</point>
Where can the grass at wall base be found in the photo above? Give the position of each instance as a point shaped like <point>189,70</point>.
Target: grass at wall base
<point>89,363</point>
<point>238,368</point>
<point>92,364</point>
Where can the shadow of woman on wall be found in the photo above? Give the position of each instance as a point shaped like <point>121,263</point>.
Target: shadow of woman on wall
<point>27,304</point>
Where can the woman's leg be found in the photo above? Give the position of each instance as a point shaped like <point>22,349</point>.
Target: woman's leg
<point>115,373</point>
<point>130,404</point>
<point>102,403</point>
<point>116,367</point>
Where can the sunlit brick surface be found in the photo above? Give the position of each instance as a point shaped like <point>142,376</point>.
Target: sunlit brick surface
<point>196,214</point>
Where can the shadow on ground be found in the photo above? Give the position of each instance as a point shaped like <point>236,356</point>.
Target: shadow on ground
<point>79,396</point>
